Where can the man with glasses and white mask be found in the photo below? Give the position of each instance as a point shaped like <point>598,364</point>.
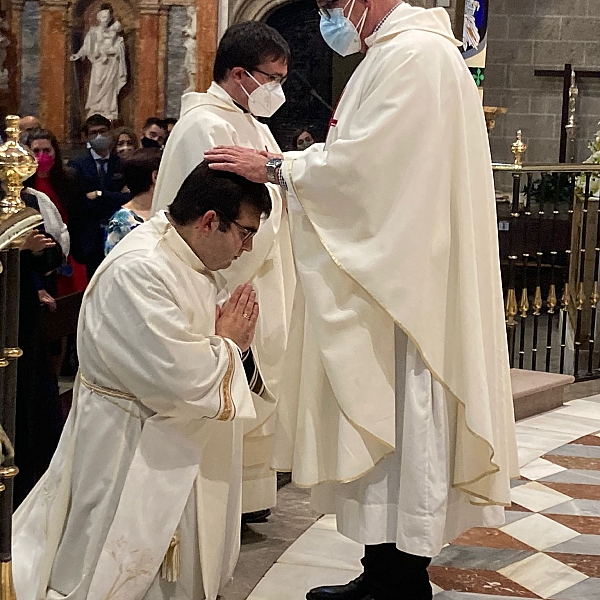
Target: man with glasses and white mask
<point>250,65</point>
<point>402,422</point>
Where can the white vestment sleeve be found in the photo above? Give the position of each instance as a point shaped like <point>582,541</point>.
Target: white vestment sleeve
<point>153,352</point>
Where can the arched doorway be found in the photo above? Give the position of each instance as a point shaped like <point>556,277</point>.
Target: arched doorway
<point>316,75</point>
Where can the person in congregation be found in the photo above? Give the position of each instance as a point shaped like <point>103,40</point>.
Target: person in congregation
<point>154,133</point>
<point>140,169</point>
<point>58,183</point>
<point>27,124</point>
<point>250,64</point>
<point>143,495</point>
<point>38,414</point>
<point>125,141</point>
<point>102,191</point>
<point>302,139</point>
<point>169,123</point>
<point>399,411</point>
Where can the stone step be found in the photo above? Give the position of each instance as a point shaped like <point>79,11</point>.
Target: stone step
<point>535,392</point>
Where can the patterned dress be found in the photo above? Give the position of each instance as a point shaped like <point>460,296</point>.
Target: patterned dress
<point>119,225</point>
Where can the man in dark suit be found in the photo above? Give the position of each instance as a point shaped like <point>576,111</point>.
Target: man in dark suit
<point>99,176</point>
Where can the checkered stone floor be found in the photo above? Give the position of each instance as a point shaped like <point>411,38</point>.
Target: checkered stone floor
<point>550,545</point>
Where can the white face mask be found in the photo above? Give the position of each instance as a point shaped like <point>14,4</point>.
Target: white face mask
<point>266,99</point>
<point>339,32</point>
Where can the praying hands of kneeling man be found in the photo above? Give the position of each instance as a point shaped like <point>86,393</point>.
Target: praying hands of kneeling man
<point>236,319</point>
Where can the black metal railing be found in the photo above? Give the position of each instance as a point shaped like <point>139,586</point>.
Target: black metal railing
<point>549,235</point>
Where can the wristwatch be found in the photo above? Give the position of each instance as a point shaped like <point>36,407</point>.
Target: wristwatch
<point>98,193</point>
<point>273,165</point>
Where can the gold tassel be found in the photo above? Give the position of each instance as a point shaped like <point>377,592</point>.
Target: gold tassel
<point>171,564</point>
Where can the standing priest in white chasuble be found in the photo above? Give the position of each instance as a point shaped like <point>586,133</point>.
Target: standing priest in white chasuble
<point>250,64</point>
<point>142,499</point>
<point>398,413</point>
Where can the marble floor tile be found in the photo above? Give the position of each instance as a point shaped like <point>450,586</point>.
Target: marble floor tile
<point>490,538</point>
<point>586,590</point>
<point>539,532</point>
<point>575,462</point>
<point>326,522</point>
<point>512,516</point>
<point>527,455</point>
<point>580,491</point>
<point>588,440</point>
<point>537,497</point>
<point>323,547</point>
<point>580,408</point>
<point>478,582</point>
<point>291,582</point>
<point>530,437</point>
<point>583,508</point>
<point>580,524</point>
<point>478,557</point>
<point>436,589</point>
<point>543,575</point>
<point>584,563</point>
<point>540,468</point>
<point>577,450</point>
<point>577,426</point>
<point>573,476</point>
<point>583,544</point>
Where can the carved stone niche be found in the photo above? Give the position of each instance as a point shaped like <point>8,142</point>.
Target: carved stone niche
<point>82,16</point>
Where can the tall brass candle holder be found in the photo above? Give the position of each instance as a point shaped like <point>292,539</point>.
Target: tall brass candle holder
<point>16,165</point>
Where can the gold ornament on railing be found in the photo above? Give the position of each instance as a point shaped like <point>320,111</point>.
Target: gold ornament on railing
<point>594,296</point>
<point>538,303</point>
<point>16,165</point>
<point>580,298</point>
<point>566,298</point>
<point>524,304</point>
<point>518,148</point>
<point>551,302</point>
<point>511,308</point>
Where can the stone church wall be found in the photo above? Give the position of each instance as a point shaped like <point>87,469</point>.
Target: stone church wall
<point>529,34</point>
<point>176,76</point>
<point>30,59</point>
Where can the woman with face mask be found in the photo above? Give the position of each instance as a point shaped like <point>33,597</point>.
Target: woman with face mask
<point>302,139</point>
<point>56,181</point>
<point>126,141</point>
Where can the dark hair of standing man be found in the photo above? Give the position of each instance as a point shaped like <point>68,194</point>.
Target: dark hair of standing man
<point>138,168</point>
<point>248,45</point>
<point>223,192</point>
<point>95,120</point>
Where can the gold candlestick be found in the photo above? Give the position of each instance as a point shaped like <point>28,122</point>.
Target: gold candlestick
<point>16,165</point>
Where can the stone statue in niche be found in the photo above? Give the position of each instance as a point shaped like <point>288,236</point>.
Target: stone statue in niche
<point>4,44</point>
<point>189,62</point>
<point>104,47</point>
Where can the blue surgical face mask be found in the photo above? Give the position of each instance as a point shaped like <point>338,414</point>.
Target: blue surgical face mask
<point>339,32</point>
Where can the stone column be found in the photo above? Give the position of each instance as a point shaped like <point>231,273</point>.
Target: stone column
<point>13,58</point>
<point>206,41</point>
<point>150,71</point>
<point>54,67</point>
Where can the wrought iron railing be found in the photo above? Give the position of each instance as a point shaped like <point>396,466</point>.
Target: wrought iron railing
<point>549,234</point>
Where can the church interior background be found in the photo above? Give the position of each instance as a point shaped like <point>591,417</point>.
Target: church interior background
<point>550,546</point>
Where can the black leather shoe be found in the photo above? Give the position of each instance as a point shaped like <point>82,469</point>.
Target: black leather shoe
<point>259,516</point>
<point>357,589</point>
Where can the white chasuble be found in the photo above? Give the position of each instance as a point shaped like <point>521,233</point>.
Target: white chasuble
<point>394,229</point>
<point>151,452</point>
<point>208,120</point>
